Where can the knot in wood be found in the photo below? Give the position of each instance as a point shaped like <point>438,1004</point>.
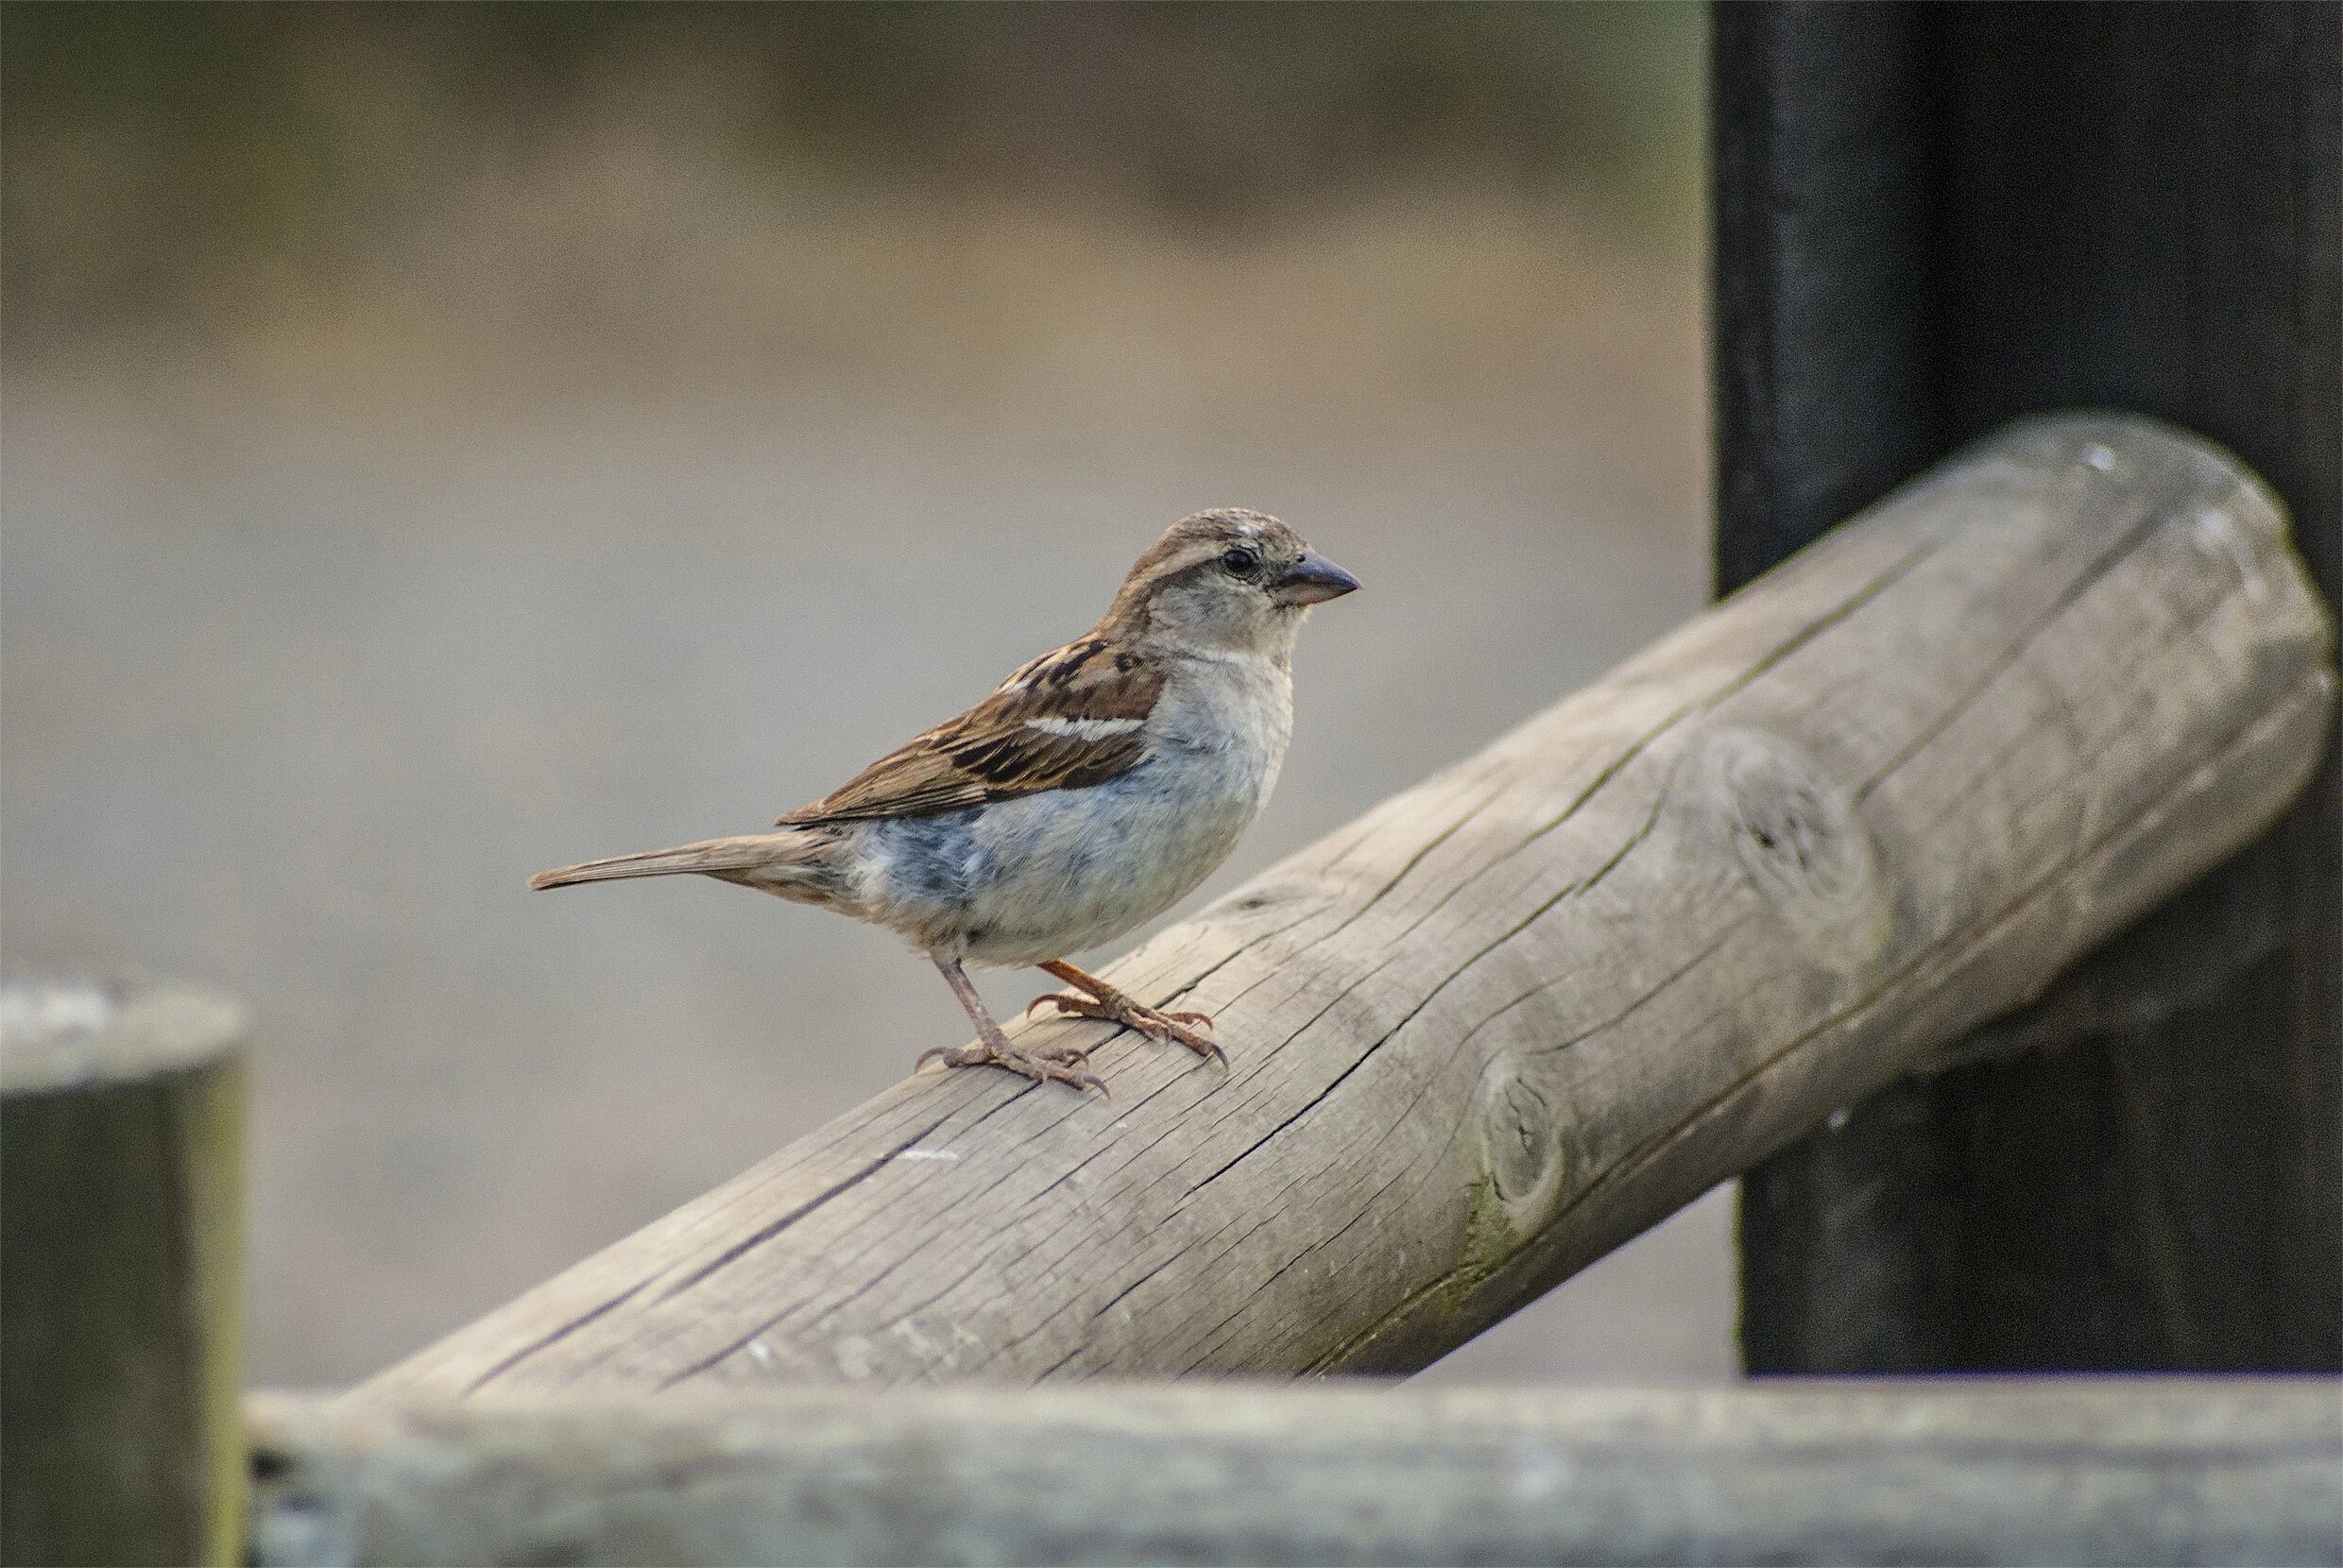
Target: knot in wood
<point>1262,895</point>
<point>1796,833</point>
<point>1520,1138</point>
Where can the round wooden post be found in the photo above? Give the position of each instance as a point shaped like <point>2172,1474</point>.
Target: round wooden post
<point>121,1262</point>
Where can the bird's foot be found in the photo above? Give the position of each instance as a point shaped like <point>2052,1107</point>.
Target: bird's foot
<point>1046,1065</point>
<point>1117,1007</point>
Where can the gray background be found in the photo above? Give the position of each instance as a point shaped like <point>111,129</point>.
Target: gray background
<point>611,489</point>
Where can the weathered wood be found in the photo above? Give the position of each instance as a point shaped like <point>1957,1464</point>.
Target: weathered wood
<point>1931,219</point>
<point>121,1273</point>
<point>2132,1472</point>
<point>1517,1014</point>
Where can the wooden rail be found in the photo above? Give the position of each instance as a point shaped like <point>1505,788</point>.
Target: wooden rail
<point>1519,1013</point>
<point>2132,1472</point>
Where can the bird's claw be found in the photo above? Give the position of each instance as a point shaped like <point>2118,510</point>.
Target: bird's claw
<point>1181,1028</point>
<point>1049,1064</point>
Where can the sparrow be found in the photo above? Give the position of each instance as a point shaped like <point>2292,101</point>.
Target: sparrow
<point>1089,792</point>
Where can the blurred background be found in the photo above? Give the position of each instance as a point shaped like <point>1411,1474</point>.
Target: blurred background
<point>441,442</point>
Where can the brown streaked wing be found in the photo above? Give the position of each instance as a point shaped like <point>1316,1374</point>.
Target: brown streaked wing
<point>994,752</point>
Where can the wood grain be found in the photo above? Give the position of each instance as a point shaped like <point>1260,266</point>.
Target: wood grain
<point>2132,1472</point>
<point>1516,1015</point>
<point>121,1274</point>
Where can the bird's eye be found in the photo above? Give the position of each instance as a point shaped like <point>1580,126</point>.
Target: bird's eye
<point>1239,562</point>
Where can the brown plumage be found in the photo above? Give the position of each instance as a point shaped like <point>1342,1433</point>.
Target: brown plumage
<point>1071,718</point>
<point>1093,788</point>
<point>729,859</point>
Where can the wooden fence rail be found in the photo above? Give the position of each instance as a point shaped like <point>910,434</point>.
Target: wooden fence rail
<point>2102,1472</point>
<point>1516,1015</point>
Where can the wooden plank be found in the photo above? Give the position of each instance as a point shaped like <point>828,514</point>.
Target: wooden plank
<point>2132,1472</point>
<point>121,1271</point>
<point>1516,1015</point>
<point>1932,219</point>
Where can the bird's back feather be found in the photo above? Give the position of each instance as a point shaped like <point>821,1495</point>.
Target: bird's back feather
<point>1071,718</point>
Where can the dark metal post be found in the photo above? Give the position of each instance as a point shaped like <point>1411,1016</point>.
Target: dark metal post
<point>1931,219</point>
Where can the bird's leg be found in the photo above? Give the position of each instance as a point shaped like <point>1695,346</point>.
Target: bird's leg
<point>1102,1000</point>
<point>1063,1063</point>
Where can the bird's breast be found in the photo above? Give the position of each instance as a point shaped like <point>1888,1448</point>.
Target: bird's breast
<point>1018,881</point>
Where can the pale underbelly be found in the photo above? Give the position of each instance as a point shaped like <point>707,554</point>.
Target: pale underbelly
<point>1025,880</point>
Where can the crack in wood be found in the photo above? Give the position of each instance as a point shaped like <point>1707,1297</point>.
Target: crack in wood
<point>1565,959</point>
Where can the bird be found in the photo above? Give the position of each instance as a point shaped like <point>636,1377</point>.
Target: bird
<point>1092,791</point>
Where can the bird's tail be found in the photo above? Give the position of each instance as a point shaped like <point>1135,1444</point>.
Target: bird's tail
<point>756,858</point>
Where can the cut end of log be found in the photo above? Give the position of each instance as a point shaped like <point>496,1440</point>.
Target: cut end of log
<point>57,1033</point>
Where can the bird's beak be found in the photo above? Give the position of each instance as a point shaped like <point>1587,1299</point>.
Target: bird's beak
<point>1311,580</point>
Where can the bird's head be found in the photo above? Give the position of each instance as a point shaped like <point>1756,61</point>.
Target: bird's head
<point>1225,581</point>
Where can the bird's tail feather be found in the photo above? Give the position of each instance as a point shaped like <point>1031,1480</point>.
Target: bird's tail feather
<point>776,853</point>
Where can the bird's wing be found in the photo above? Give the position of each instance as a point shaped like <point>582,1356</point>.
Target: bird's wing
<point>1071,718</point>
